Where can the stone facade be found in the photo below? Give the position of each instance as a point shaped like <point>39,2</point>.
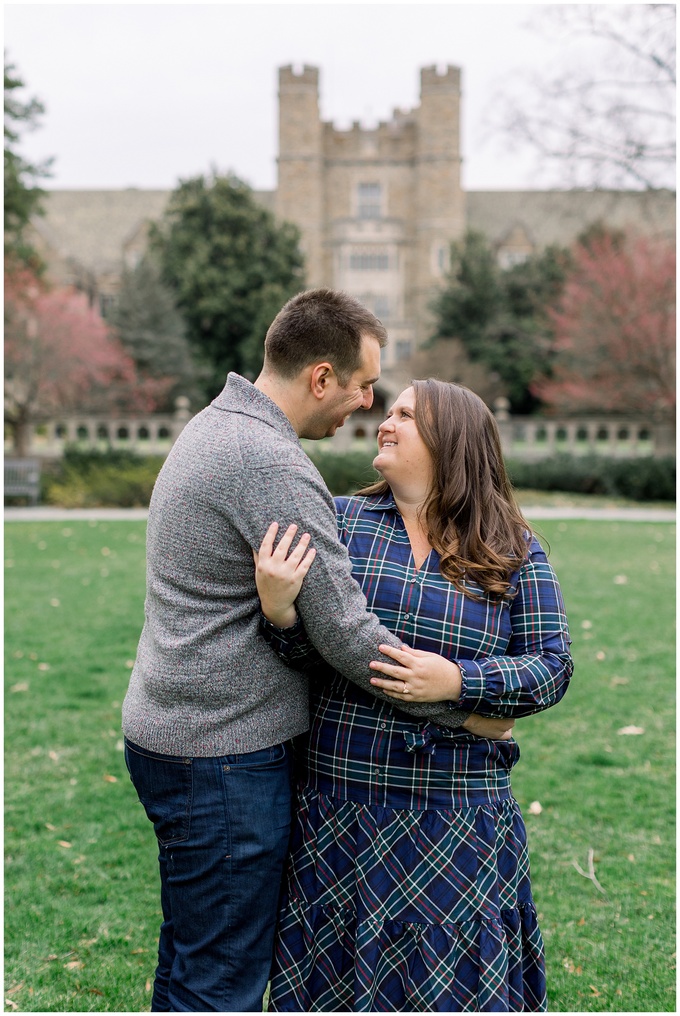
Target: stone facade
<point>377,209</point>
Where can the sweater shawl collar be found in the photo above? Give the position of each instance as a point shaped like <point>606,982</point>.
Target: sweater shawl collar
<point>240,396</point>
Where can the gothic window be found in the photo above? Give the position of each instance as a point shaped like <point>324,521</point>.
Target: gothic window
<point>441,259</point>
<point>509,258</point>
<point>381,307</point>
<point>107,303</point>
<point>369,201</point>
<point>369,259</point>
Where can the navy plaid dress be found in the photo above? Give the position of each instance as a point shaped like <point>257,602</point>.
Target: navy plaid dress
<point>408,880</point>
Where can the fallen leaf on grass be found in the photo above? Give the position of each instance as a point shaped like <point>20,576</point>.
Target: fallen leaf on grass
<point>631,730</point>
<point>600,656</point>
<point>535,808</point>
<point>147,986</point>
<point>111,779</point>
<point>18,987</point>
<point>136,952</point>
<point>13,1006</point>
<point>52,828</point>
<point>620,580</point>
<point>95,991</point>
<point>631,857</point>
<point>594,990</point>
<point>22,686</point>
<point>615,681</point>
<point>64,843</point>
<point>74,965</point>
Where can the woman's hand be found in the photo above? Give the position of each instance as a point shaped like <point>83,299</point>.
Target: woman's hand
<point>279,575</point>
<point>420,676</point>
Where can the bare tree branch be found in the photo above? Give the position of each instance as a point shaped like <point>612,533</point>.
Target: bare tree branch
<point>606,115</point>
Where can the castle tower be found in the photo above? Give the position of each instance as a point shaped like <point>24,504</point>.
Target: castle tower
<point>377,207</point>
<point>440,205</point>
<point>299,196</point>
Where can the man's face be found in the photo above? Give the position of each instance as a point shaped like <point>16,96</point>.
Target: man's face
<point>339,403</point>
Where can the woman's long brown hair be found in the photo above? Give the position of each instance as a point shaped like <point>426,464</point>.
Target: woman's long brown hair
<point>471,516</point>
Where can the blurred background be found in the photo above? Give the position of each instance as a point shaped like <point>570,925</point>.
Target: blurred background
<point>496,182</point>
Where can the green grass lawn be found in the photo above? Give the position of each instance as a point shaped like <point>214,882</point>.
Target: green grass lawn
<point>82,908</point>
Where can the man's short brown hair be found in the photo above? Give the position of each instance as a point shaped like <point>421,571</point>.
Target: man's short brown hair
<point>317,325</point>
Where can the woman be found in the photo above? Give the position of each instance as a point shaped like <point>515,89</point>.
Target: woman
<point>408,884</point>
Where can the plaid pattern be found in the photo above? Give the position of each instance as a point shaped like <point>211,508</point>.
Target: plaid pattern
<point>408,883</point>
<point>394,911</point>
<point>514,656</point>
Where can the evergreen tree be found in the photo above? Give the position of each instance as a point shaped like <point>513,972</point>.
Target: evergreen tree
<point>502,315</point>
<point>230,266</point>
<point>22,195</point>
<point>153,333</point>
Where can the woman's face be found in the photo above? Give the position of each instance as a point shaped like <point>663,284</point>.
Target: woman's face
<point>402,455</point>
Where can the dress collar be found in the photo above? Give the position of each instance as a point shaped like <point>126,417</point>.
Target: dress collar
<point>385,502</point>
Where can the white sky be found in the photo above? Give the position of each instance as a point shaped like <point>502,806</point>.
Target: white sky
<point>141,95</point>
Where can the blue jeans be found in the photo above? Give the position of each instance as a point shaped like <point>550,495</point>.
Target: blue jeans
<point>222,826</point>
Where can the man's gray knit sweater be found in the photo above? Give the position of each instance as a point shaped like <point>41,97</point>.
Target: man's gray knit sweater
<point>204,682</point>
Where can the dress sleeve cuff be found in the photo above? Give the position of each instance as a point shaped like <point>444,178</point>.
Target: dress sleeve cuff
<point>267,626</point>
<point>472,685</point>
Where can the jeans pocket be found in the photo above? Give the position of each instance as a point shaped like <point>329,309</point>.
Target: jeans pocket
<point>164,786</point>
<point>262,759</point>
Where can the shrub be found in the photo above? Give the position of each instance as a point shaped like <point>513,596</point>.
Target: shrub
<point>95,479</point>
<point>344,472</point>
<point>640,479</point>
<point>120,478</point>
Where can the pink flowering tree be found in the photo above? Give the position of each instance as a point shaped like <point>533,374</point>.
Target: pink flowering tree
<point>60,356</point>
<point>615,331</point>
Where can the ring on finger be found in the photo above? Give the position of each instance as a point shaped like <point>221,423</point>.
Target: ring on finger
<point>405,690</point>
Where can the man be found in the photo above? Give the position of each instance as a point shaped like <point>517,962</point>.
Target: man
<point>210,709</point>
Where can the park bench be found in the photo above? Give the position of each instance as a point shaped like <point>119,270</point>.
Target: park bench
<point>22,479</point>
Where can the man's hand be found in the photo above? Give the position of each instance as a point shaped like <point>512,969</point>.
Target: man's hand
<point>496,728</point>
<point>279,575</point>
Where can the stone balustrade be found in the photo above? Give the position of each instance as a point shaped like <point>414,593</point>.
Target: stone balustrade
<point>522,437</point>
<point>535,438</point>
<point>152,434</point>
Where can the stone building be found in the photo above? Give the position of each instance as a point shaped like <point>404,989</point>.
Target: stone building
<point>377,208</point>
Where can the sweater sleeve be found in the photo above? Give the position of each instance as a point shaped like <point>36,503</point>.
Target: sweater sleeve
<point>331,603</point>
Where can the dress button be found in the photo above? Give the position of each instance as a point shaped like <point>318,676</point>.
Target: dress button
<point>406,617</point>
